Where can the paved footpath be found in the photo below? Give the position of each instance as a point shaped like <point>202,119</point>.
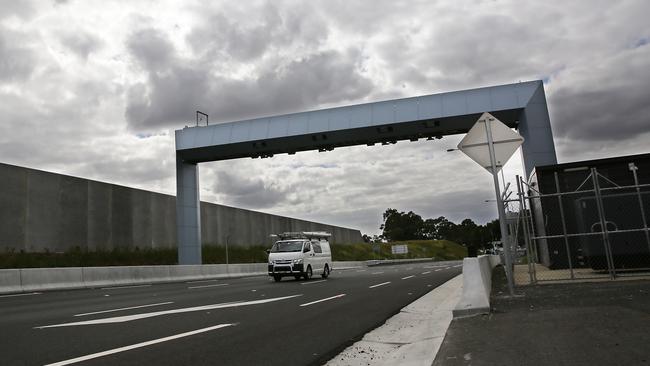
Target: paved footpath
<point>605,323</point>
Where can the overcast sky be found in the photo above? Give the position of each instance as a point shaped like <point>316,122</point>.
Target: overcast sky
<point>96,88</point>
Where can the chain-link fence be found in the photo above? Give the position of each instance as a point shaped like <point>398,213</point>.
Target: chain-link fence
<point>580,224</point>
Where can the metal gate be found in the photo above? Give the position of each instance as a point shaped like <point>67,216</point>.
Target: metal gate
<point>594,230</point>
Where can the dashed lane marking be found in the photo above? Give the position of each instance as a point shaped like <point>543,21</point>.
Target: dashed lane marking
<point>121,287</point>
<point>202,281</point>
<point>129,308</point>
<point>312,282</point>
<point>377,272</point>
<point>206,286</point>
<point>380,284</point>
<point>407,277</point>
<point>16,295</point>
<point>321,300</point>
<point>137,345</point>
<point>427,272</point>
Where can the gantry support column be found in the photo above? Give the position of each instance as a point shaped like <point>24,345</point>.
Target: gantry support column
<point>535,127</point>
<point>188,218</point>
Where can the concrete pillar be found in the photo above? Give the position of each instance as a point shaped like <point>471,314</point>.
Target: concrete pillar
<point>188,214</point>
<point>535,126</point>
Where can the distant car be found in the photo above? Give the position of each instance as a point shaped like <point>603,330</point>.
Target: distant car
<point>300,257</point>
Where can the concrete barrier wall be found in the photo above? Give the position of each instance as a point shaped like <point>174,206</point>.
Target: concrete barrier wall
<point>45,211</point>
<point>477,285</point>
<point>41,279</point>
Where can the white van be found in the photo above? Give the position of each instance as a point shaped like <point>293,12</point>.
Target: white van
<point>301,255</point>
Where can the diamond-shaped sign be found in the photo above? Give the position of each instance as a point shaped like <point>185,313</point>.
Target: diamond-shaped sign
<point>505,142</point>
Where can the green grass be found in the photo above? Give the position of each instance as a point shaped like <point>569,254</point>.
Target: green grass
<point>76,257</point>
<point>439,249</point>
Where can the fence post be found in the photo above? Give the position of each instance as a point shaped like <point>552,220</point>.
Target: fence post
<point>634,168</point>
<point>564,233</point>
<point>524,217</point>
<point>603,224</point>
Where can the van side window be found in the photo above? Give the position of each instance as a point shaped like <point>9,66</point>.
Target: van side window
<point>307,246</point>
<point>317,248</point>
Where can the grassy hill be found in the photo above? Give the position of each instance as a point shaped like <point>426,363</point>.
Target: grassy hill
<point>439,249</point>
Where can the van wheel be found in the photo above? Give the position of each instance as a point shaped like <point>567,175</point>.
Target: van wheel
<point>277,278</point>
<point>326,271</point>
<point>308,273</point>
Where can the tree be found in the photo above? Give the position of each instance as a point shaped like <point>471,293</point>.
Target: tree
<point>401,226</point>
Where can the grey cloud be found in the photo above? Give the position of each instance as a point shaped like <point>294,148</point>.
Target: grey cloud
<point>23,9</point>
<point>251,192</point>
<point>151,48</point>
<point>171,97</point>
<point>262,29</point>
<point>606,100</point>
<point>16,63</point>
<point>82,44</point>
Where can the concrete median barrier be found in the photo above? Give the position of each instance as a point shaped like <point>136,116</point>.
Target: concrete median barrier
<point>10,281</point>
<point>477,285</point>
<point>38,279</point>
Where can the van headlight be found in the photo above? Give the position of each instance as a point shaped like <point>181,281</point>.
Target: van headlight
<point>271,261</point>
<point>297,261</point>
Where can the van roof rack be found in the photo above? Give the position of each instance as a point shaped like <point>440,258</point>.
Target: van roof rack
<point>303,235</point>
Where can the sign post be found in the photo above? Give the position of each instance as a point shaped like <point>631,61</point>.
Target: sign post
<point>491,143</point>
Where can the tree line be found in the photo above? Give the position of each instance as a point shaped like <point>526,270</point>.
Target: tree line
<point>398,226</point>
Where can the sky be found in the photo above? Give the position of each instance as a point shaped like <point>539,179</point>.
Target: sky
<point>95,89</point>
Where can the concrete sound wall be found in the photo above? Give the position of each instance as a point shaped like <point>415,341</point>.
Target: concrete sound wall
<point>46,211</point>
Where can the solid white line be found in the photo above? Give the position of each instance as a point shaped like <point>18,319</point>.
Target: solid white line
<point>119,287</point>
<point>310,282</point>
<point>381,284</point>
<point>128,318</point>
<point>137,345</point>
<point>202,281</point>
<point>129,308</point>
<point>377,272</point>
<point>204,286</point>
<point>321,300</point>
<point>29,294</point>
<point>427,272</point>
<point>407,277</point>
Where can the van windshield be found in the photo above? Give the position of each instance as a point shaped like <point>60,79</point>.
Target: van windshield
<point>286,246</point>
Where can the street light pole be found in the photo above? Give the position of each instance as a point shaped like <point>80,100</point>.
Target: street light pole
<point>500,209</point>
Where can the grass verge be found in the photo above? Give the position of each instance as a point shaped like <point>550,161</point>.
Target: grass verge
<point>214,254</point>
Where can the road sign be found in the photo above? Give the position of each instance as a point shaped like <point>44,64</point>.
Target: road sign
<point>505,142</point>
<point>399,249</point>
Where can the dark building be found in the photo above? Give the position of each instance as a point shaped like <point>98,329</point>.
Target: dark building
<point>601,209</point>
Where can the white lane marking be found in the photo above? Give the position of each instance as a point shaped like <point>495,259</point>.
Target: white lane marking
<point>137,345</point>
<point>439,269</point>
<point>310,282</point>
<point>321,300</point>
<point>202,281</point>
<point>119,287</point>
<point>407,277</point>
<point>377,272</point>
<point>460,265</point>
<point>361,270</point>
<point>128,318</point>
<point>381,284</point>
<point>205,286</point>
<point>129,308</point>
<point>427,272</point>
<point>15,295</point>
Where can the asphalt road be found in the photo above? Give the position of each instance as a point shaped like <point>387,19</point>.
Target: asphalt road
<point>245,321</point>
